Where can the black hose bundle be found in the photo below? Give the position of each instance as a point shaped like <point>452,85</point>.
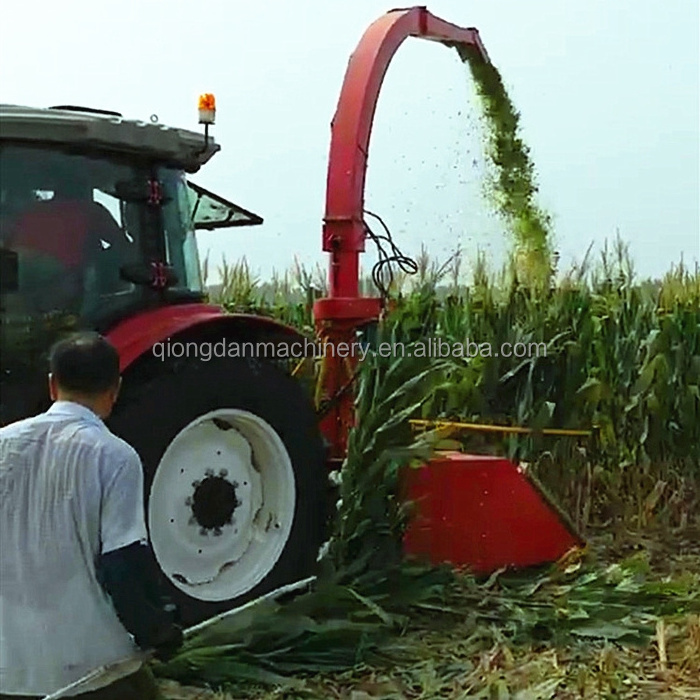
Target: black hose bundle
<point>386,259</point>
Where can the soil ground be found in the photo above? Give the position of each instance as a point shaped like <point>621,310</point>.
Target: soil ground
<point>450,667</point>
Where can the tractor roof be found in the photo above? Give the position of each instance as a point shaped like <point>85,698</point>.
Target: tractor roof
<point>83,127</point>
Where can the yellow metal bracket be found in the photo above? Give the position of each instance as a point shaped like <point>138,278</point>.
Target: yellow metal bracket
<point>487,428</point>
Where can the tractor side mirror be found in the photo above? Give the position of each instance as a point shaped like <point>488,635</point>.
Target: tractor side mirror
<point>9,270</point>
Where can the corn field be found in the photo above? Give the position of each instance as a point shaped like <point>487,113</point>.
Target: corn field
<point>622,360</point>
<point>617,361</point>
<point>619,620</point>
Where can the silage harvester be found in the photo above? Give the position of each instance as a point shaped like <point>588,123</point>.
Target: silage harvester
<point>98,231</point>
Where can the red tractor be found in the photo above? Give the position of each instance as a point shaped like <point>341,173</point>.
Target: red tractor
<point>98,231</point>
<point>97,228</point>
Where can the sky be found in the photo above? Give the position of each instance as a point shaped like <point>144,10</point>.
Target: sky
<point>608,93</point>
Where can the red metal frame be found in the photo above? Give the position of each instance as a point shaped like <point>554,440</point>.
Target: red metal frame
<point>338,316</point>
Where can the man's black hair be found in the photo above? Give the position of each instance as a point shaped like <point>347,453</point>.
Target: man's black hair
<point>85,363</point>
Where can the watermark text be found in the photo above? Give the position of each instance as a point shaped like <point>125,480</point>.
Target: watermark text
<point>431,348</point>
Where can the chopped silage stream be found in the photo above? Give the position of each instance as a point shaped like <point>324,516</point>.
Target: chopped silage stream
<point>510,186</point>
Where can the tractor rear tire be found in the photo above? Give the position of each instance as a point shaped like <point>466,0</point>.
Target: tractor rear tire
<point>204,482</point>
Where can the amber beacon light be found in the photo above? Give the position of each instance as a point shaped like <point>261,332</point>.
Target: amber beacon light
<point>207,108</point>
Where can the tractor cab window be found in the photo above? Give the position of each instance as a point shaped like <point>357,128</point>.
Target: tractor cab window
<point>82,232</point>
<point>211,211</point>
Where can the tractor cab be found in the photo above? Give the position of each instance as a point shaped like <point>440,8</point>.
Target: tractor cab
<point>97,223</point>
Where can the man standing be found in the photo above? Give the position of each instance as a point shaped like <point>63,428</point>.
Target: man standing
<point>73,593</point>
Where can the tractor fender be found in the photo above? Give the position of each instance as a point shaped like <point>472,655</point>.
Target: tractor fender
<point>136,336</point>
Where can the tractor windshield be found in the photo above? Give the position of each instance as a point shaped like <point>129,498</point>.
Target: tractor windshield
<point>79,233</point>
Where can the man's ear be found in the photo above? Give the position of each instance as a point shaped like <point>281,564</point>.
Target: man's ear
<point>53,388</point>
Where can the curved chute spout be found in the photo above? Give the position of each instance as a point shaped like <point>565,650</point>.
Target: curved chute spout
<point>344,229</point>
<point>338,316</point>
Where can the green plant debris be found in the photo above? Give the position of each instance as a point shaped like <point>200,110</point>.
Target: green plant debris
<point>512,189</point>
<point>570,611</point>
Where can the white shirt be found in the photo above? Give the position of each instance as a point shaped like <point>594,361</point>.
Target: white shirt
<point>69,490</point>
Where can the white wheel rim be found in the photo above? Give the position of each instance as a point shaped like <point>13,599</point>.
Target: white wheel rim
<point>222,505</point>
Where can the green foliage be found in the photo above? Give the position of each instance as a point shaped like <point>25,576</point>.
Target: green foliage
<point>332,628</point>
<point>622,357</point>
<point>620,602</point>
<point>335,627</point>
<point>601,350</point>
<point>288,297</point>
<point>598,351</point>
<point>372,515</point>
